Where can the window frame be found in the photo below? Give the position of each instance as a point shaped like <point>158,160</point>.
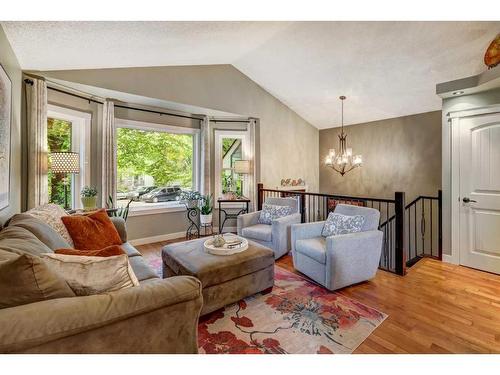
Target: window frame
<point>245,155</point>
<point>80,142</point>
<point>163,207</point>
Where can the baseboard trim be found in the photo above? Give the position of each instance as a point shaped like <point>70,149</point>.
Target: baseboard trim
<point>169,236</point>
<point>449,259</point>
<point>159,238</point>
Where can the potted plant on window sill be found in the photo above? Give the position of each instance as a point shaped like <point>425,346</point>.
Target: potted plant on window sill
<point>88,196</point>
<point>206,210</point>
<point>190,198</point>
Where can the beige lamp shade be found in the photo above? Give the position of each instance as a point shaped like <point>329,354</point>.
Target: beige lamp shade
<point>242,166</point>
<point>65,162</point>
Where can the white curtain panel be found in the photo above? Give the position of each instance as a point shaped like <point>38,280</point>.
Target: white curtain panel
<point>36,103</point>
<point>252,177</point>
<point>108,187</point>
<point>205,136</point>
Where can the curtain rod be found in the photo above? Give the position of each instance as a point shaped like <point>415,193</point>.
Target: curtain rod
<point>157,112</point>
<point>233,121</point>
<point>29,81</point>
<point>75,95</point>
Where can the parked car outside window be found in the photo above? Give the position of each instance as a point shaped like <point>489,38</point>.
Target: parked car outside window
<point>163,194</point>
<point>137,194</point>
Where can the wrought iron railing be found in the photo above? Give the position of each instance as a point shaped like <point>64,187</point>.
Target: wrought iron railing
<point>401,248</point>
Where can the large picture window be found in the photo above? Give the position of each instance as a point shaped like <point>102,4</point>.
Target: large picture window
<point>154,164</point>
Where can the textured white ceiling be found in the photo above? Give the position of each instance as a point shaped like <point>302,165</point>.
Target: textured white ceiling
<point>386,69</point>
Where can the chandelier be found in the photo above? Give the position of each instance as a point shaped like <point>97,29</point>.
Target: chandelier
<point>344,161</point>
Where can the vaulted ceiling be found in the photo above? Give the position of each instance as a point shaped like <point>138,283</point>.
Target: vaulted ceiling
<point>386,69</point>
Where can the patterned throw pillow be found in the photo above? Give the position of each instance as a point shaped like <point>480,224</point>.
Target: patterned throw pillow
<point>271,212</point>
<point>51,214</point>
<point>342,224</point>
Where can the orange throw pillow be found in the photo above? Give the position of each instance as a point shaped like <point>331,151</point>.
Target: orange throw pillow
<point>92,231</point>
<point>109,251</point>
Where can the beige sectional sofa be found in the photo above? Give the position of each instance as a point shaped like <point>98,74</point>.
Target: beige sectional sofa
<point>159,316</point>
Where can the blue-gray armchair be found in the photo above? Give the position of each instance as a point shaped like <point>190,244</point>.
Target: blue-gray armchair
<point>340,260</point>
<point>275,236</point>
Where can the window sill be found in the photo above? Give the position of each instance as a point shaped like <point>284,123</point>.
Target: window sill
<point>156,208</point>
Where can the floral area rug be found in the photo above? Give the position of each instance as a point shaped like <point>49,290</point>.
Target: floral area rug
<point>297,316</point>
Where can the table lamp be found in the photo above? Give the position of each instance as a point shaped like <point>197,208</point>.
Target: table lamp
<point>242,167</point>
<point>65,163</point>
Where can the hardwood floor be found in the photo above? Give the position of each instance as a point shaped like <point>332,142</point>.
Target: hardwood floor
<point>436,308</point>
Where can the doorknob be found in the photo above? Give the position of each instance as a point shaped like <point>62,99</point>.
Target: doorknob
<point>467,200</point>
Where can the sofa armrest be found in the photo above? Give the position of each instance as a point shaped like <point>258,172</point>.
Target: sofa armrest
<point>353,257</point>
<point>121,227</point>
<point>159,316</point>
<point>305,231</point>
<point>246,220</point>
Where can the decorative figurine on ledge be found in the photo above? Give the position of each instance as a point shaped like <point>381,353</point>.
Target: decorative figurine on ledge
<point>290,182</point>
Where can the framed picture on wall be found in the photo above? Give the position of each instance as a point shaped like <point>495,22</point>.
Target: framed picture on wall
<point>5,129</point>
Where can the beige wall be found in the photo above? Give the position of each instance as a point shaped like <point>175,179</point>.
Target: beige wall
<point>400,154</point>
<point>288,143</point>
<point>11,66</point>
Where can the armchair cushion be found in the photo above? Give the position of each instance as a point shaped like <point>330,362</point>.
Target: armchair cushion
<point>271,212</point>
<point>337,224</point>
<point>246,220</point>
<point>314,248</point>
<point>262,232</point>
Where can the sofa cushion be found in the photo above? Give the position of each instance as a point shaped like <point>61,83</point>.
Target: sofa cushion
<point>21,241</point>
<point>93,275</point>
<point>92,231</point>
<point>141,269</point>
<point>109,251</point>
<point>130,250</point>
<point>27,279</point>
<point>52,214</point>
<point>41,230</point>
<point>314,248</point>
<point>262,232</point>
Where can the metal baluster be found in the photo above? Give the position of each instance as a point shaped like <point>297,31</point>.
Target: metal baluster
<point>432,229</point>
<point>409,234</point>
<point>314,208</point>
<point>422,225</point>
<point>415,227</point>
<point>388,225</point>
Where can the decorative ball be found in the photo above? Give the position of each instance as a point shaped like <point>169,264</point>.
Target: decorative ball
<point>219,240</point>
<point>492,55</point>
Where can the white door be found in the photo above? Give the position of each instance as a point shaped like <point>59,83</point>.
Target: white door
<point>480,192</point>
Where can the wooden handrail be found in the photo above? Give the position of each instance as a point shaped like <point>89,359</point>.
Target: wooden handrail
<point>344,197</point>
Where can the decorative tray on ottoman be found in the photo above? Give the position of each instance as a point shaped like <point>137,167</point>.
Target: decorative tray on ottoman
<point>233,244</point>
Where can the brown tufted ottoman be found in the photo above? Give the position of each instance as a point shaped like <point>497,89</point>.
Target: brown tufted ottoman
<point>225,279</point>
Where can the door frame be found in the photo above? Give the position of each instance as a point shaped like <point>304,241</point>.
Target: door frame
<point>454,123</point>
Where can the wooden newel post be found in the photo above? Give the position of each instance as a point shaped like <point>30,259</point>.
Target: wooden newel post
<point>399,209</point>
<point>260,196</point>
